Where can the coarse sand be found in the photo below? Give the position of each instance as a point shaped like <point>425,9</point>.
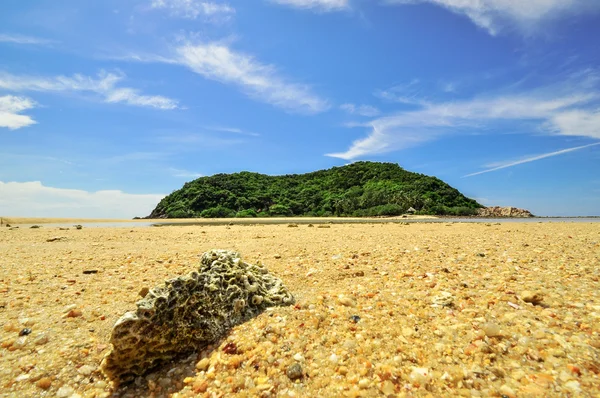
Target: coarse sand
<point>435,310</point>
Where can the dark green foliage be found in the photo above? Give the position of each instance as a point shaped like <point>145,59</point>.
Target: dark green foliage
<point>358,189</point>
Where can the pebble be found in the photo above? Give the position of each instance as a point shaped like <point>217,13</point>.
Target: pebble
<point>532,297</point>
<point>41,339</point>
<point>44,383</point>
<point>444,299</point>
<point>355,318</point>
<point>203,364</point>
<point>420,375</point>
<point>491,329</point>
<point>347,301</point>
<point>86,370</point>
<point>64,392</point>
<point>294,371</point>
<point>144,291</point>
<point>25,332</point>
<point>298,357</point>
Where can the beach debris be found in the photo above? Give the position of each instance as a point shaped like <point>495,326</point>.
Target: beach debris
<point>292,225</point>
<point>63,229</point>
<point>13,228</point>
<point>78,226</point>
<point>324,226</point>
<point>90,271</point>
<point>294,371</point>
<point>25,332</point>
<point>534,298</point>
<point>355,318</point>
<point>35,226</point>
<point>189,312</point>
<point>56,239</point>
<point>310,225</point>
<point>444,299</point>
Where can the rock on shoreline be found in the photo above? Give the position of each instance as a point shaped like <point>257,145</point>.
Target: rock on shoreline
<point>498,211</point>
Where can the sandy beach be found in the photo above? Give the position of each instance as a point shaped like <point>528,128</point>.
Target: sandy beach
<point>426,310</point>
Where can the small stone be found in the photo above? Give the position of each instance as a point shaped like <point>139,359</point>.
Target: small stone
<point>298,357</point>
<point>277,256</point>
<point>78,226</point>
<point>292,225</point>
<point>203,364</point>
<point>573,385</point>
<point>534,298</point>
<point>40,339</point>
<point>44,383</point>
<point>506,391</point>
<point>347,301</point>
<point>491,330</point>
<point>144,291</point>
<point>363,384</point>
<point>64,392</point>
<point>25,332</point>
<point>74,313</point>
<point>90,271</point>
<point>294,371</point>
<point>387,388</point>
<point>420,375</point>
<point>444,299</point>
<point>86,370</point>
<point>56,239</point>
<point>355,318</point>
<point>334,358</point>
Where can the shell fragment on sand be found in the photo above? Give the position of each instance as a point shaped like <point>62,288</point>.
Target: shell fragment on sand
<point>189,312</point>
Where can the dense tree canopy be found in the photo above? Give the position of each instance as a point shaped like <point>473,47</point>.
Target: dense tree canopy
<point>359,189</point>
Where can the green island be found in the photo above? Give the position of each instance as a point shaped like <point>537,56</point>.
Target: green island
<point>361,189</point>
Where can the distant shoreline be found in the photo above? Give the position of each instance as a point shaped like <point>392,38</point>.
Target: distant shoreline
<point>26,221</point>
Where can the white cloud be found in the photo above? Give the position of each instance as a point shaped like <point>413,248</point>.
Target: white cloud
<point>33,199</point>
<point>192,9</point>
<point>181,173</point>
<point>492,15</point>
<point>506,164</point>
<point>567,109</point>
<point>105,85</point>
<point>10,109</point>
<point>361,110</point>
<point>318,5</point>
<point>21,39</point>
<point>232,130</point>
<point>262,82</point>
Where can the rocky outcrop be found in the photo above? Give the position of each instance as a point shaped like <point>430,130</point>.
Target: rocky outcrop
<point>497,211</point>
<point>189,312</point>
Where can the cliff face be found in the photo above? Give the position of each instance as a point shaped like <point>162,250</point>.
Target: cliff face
<point>497,211</point>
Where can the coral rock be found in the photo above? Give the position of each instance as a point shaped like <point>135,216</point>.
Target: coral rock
<point>189,312</point>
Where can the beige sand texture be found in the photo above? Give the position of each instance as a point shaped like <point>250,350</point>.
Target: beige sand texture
<point>424,310</point>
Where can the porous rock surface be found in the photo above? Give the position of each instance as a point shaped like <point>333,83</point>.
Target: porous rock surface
<point>188,312</point>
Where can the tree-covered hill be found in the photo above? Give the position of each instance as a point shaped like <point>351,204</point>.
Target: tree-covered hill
<point>358,189</point>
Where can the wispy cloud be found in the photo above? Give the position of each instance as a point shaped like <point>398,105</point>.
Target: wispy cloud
<point>192,9</point>
<point>21,39</point>
<point>105,85</point>
<point>316,5</point>
<point>506,164</point>
<point>260,81</point>
<point>570,108</point>
<point>181,173</point>
<point>10,109</point>
<point>361,110</point>
<point>232,130</point>
<point>493,15</point>
<point>33,199</point>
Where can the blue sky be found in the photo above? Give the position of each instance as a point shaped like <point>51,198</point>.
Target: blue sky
<point>105,107</point>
